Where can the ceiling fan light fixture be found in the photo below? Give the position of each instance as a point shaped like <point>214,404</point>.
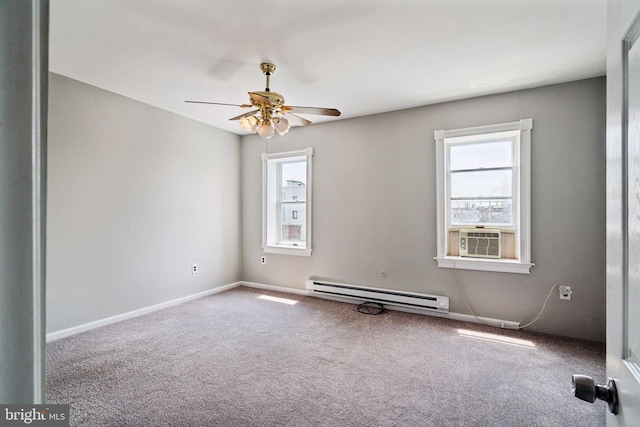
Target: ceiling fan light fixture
<point>250,124</point>
<point>266,130</point>
<point>282,125</point>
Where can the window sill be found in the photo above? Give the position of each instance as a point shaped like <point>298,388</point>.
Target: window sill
<point>482,264</point>
<point>287,250</point>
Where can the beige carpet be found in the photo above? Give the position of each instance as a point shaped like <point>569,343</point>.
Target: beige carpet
<point>234,359</point>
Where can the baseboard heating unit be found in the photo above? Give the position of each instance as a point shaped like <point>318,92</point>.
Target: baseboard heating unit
<point>383,296</point>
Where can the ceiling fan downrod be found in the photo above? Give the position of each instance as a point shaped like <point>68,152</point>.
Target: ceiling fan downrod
<point>267,69</point>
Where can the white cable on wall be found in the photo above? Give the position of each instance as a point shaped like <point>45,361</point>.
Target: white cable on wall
<point>466,303</point>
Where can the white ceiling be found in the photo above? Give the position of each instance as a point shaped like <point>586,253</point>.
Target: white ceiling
<point>359,56</point>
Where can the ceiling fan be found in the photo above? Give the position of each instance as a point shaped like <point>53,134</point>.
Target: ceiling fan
<point>270,114</point>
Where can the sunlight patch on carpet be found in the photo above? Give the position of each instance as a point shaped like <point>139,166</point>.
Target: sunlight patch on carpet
<point>276,299</point>
<point>497,338</point>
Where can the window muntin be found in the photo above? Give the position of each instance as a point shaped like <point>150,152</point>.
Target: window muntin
<point>286,202</point>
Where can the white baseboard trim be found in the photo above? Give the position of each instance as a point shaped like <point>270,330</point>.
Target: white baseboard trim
<point>498,323</point>
<point>135,313</point>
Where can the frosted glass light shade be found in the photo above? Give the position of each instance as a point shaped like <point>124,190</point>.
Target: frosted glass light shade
<point>250,124</point>
<point>281,124</point>
<point>266,130</point>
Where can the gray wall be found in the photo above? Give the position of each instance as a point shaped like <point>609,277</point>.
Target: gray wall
<point>374,206</point>
<point>136,195</point>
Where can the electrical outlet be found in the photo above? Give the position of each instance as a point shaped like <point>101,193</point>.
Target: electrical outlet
<point>194,268</point>
<point>565,292</point>
<point>263,259</point>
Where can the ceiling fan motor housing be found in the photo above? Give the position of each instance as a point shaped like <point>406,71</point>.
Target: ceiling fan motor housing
<point>276,99</point>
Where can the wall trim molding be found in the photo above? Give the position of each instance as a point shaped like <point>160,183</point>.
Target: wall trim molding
<point>135,313</point>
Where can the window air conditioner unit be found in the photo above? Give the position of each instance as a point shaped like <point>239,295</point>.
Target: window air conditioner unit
<point>479,243</point>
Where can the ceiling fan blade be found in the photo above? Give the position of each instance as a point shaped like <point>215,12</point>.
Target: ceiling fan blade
<point>311,110</point>
<point>296,120</point>
<point>250,113</point>
<point>220,103</point>
<point>260,100</point>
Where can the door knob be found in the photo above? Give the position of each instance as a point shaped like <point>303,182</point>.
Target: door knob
<point>585,388</point>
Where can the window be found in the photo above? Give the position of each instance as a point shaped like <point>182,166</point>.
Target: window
<point>483,180</point>
<point>286,212</point>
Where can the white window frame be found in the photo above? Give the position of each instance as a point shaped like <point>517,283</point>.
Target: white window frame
<point>270,211</point>
<point>520,131</point>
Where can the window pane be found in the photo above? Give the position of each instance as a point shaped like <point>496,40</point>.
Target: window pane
<point>292,223</point>
<point>294,171</point>
<point>492,183</point>
<point>472,211</point>
<point>481,155</point>
<point>294,177</point>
